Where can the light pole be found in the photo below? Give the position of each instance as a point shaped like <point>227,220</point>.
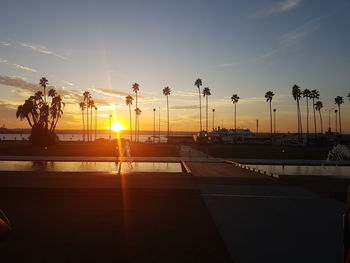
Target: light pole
<point>110,127</point>
<point>336,121</point>
<point>257,128</point>
<point>159,124</point>
<point>154,125</point>
<point>213,119</point>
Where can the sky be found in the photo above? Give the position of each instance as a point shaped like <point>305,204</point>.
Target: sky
<point>235,47</point>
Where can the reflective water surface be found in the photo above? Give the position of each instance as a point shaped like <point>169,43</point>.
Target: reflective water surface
<point>125,167</point>
<point>305,170</point>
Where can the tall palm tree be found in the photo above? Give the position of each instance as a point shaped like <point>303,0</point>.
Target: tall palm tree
<point>82,106</point>
<point>297,95</point>
<point>269,95</point>
<point>138,113</point>
<point>166,92</point>
<point>318,107</point>
<point>339,100</point>
<point>136,88</point>
<point>314,95</point>
<point>198,84</point>
<point>91,105</point>
<point>128,101</point>
<point>306,94</point>
<point>235,99</point>
<point>206,94</point>
<point>336,121</point>
<point>43,83</point>
<point>87,97</point>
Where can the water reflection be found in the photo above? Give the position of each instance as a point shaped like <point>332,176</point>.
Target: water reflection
<point>115,167</point>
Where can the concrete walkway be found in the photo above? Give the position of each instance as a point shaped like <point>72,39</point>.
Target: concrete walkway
<point>264,220</point>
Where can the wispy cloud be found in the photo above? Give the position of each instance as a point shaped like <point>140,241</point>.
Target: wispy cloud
<point>280,7</point>
<point>4,43</point>
<point>68,82</point>
<point>180,93</point>
<point>294,37</point>
<point>110,92</point>
<point>42,50</point>
<point>3,61</point>
<point>226,65</point>
<point>25,68</point>
<point>188,107</point>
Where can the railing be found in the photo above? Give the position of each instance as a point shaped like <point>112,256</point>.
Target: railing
<point>247,167</point>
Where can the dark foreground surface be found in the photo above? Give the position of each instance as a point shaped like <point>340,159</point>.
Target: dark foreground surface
<point>219,214</point>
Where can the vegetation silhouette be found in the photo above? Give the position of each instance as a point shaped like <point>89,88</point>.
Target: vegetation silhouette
<point>318,107</point>
<point>314,95</point>
<point>82,106</point>
<point>296,92</point>
<point>235,99</point>
<point>42,115</point>
<point>306,94</point>
<point>339,100</point>
<point>206,94</point>
<point>136,87</point>
<point>166,92</point>
<point>128,101</point>
<point>198,84</point>
<point>269,95</point>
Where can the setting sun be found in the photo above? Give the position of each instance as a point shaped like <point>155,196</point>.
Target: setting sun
<point>117,127</point>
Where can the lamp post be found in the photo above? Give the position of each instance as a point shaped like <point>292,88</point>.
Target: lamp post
<point>110,127</point>
<point>213,119</point>
<point>336,121</point>
<point>154,125</point>
<point>274,121</point>
<point>159,124</point>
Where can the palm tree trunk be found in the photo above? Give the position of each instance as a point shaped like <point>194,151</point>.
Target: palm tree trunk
<point>301,124</point>
<point>136,120</point>
<point>270,121</point>
<point>95,124</point>
<point>207,113</point>
<point>154,126</point>
<point>307,119</point>
<point>82,114</point>
<point>91,124</point>
<point>200,109</point>
<point>87,124</point>
<point>298,114</point>
<point>167,105</point>
<point>321,121</point>
<point>130,122</point>
<point>336,123</point>
<point>340,131</point>
<point>235,122</point>
<point>313,107</point>
<point>213,120</point>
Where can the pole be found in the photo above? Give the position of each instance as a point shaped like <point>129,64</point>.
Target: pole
<point>213,119</point>
<point>95,123</point>
<point>336,121</point>
<point>274,121</point>
<point>257,128</point>
<point>110,127</point>
<point>159,124</point>
<point>154,125</point>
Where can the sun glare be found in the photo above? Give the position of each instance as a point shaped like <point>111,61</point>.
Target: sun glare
<point>117,127</point>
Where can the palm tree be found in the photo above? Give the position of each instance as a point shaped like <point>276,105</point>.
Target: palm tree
<point>297,95</point>
<point>43,83</point>
<point>128,101</point>
<point>166,92</point>
<point>318,107</point>
<point>26,110</point>
<point>136,88</point>
<point>206,94</point>
<point>306,94</point>
<point>91,105</point>
<point>82,106</point>
<point>339,100</point>
<point>198,84</point>
<point>87,96</point>
<point>138,113</point>
<point>314,95</point>
<point>235,99</point>
<point>336,121</point>
<point>56,109</point>
<point>269,95</point>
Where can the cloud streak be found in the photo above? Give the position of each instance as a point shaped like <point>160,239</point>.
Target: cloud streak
<point>25,68</point>
<point>189,107</point>
<point>280,7</point>
<point>42,50</point>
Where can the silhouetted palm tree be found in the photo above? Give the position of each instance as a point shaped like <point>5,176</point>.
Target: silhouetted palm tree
<point>136,88</point>
<point>306,94</point>
<point>198,84</point>
<point>95,122</point>
<point>56,108</point>
<point>339,100</point>
<point>166,92</point>
<point>206,94</point>
<point>82,106</point>
<point>26,110</point>
<point>138,113</point>
<point>43,83</point>
<point>213,119</point>
<point>235,99</point>
<point>318,107</point>
<point>314,95</point>
<point>269,95</point>
<point>91,105</point>
<point>297,95</point>
<point>87,96</point>
<point>128,101</point>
